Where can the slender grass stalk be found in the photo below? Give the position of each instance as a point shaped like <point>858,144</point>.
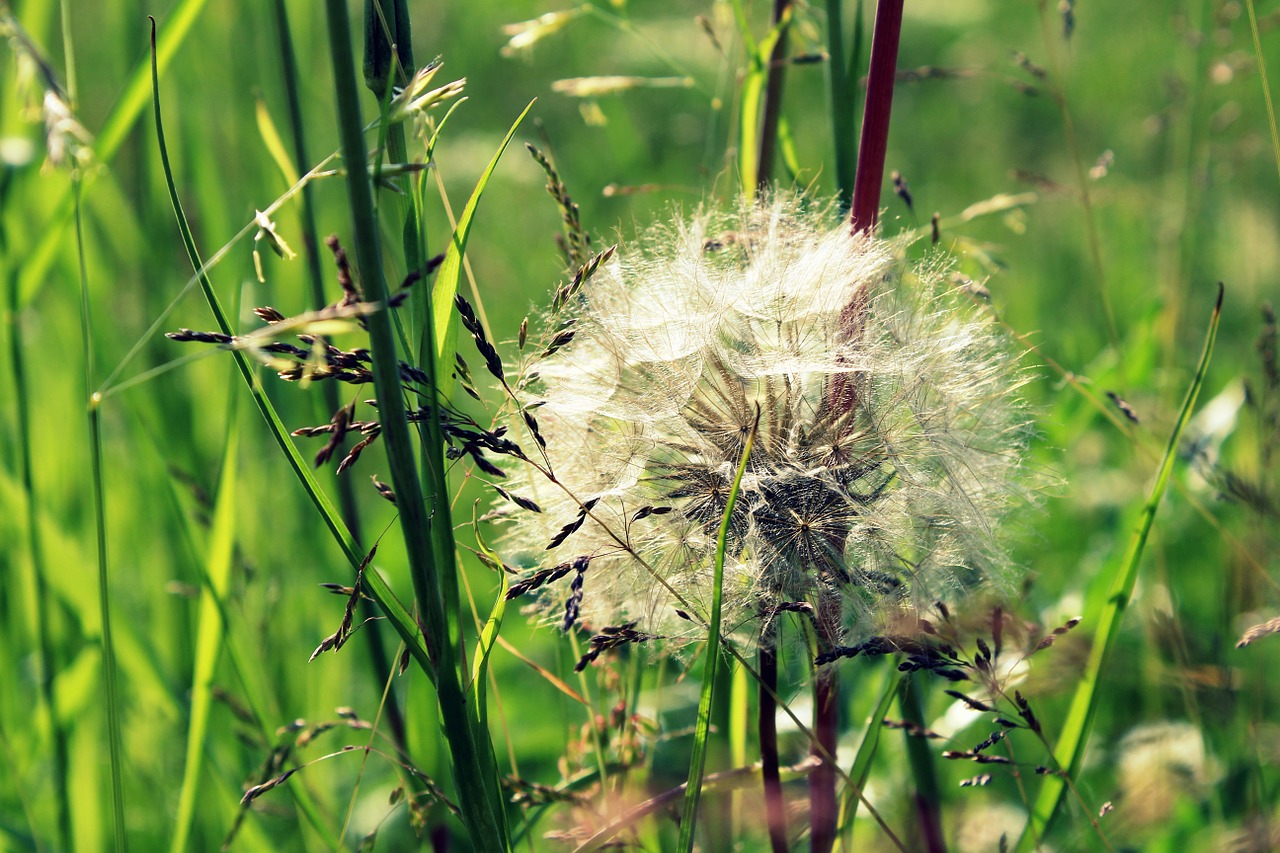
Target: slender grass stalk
<point>860,770</point>
<point>108,648</point>
<point>210,632</point>
<point>843,71</point>
<point>380,662</point>
<point>1266,85</point>
<point>772,111</point>
<point>702,733</point>
<point>1107,607</point>
<point>428,537</point>
<point>114,736</point>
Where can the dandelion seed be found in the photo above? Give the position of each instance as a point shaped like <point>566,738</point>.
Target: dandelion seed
<point>889,444</point>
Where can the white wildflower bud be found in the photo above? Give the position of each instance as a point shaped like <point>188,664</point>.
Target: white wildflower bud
<point>889,441</point>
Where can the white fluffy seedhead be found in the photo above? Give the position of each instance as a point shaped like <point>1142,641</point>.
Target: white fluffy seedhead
<point>889,441</point>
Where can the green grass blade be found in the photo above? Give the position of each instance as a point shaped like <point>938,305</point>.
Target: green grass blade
<point>702,733</point>
<point>1069,751</point>
<point>489,634</point>
<point>377,588</point>
<point>860,770</point>
<point>114,736</point>
<point>209,633</point>
<point>450,272</point>
<point>1266,86</point>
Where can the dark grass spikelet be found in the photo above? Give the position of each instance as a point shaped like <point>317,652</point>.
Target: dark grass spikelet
<point>492,361</point>
<point>1049,640</point>
<point>384,491</point>
<point>577,242</point>
<point>338,638</point>
<point>522,502</point>
<point>546,576</point>
<point>573,604</point>
<point>1124,407</point>
<point>979,781</point>
<point>912,729</point>
<point>609,639</point>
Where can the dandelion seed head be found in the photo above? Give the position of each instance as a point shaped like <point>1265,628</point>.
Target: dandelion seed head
<point>888,445</point>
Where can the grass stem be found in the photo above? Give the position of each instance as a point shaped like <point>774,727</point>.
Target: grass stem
<point>428,535</point>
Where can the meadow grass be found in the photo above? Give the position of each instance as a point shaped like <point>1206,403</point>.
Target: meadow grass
<point>1096,172</point>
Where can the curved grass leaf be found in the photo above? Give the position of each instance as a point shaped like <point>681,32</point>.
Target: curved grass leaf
<point>209,633</point>
<point>450,272</point>
<point>1069,752</point>
<point>697,762</point>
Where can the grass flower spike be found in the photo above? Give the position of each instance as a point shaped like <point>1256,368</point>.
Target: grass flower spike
<point>889,441</point>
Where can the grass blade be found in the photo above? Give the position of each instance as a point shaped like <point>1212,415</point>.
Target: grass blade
<point>1069,751</point>
<point>861,767</point>
<point>697,762</point>
<point>209,632</point>
<point>450,272</point>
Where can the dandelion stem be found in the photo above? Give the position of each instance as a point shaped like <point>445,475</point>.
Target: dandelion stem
<point>770,770</point>
<point>874,141</point>
<point>773,95</point>
<point>824,809</point>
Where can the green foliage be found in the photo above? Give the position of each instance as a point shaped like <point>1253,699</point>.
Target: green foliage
<point>1094,179</point>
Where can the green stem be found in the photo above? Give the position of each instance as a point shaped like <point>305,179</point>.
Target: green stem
<point>697,762</point>
<point>379,660</point>
<point>428,536</point>
<point>844,102</point>
<point>100,521</point>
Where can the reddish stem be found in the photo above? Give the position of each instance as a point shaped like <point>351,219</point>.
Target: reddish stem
<point>874,141</point>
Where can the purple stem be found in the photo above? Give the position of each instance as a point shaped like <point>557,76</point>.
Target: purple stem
<point>875,116</point>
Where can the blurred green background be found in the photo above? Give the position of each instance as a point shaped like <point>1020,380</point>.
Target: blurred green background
<point>1146,171</point>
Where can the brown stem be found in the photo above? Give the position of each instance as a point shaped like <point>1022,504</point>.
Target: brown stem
<point>774,804</point>
<point>874,141</point>
<point>773,97</point>
<point>824,808</point>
